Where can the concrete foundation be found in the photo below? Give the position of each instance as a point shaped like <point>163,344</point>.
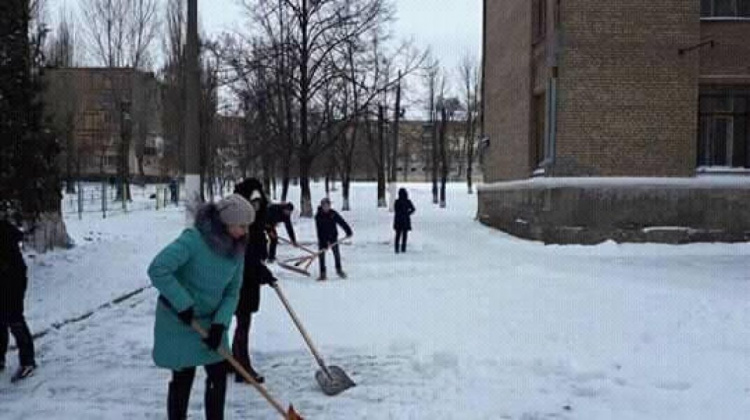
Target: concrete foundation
<point>594,210</point>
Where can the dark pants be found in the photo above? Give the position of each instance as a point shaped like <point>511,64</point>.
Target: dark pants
<point>20,330</point>
<point>273,242</point>
<point>178,399</point>
<point>240,346</point>
<point>336,258</point>
<point>401,237</point>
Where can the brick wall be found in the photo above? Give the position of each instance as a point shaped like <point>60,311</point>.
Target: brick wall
<point>508,89</point>
<point>729,60</point>
<point>628,100</point>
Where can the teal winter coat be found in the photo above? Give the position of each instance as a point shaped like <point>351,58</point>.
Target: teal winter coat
<point>188,272</point>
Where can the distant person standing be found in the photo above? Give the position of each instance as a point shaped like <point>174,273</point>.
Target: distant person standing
<point>279,213</point>
<point>404,208</point>
<point>326,222</point>
<point>13,282</point>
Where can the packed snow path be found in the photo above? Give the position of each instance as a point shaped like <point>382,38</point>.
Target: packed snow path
<point>469,324</point>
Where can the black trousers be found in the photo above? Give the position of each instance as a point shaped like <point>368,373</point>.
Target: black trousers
<point>240,342</point>
<point>273,242</point>
<point>178,399</point>
<point>401,237</point>
<point>336,258</point>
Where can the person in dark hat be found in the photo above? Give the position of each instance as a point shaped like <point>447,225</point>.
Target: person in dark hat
<point>256,274</point>
<point>326,221</point>
<point>279,213</point>
<point>404,208</point>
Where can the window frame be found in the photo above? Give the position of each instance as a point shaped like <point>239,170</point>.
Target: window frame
<point>709,116</point>
<point>712,16</point>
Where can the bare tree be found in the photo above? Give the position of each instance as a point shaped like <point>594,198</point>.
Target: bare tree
<point>121,34</point>
<point>469,72</point>
<point>432,78</point>
<point>314,40</point>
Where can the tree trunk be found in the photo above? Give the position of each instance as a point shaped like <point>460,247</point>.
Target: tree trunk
<point>381,163</point>
<point>443,157</point>
<point>285,179</point>
<point>434,161</point>
<point>345,189</point>
<point>328,186</point>
<point>49,232</point>
<point>305,164</point>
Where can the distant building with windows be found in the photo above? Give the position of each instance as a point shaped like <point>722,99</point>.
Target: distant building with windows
<point>613,119</point>
<point>94,108</point>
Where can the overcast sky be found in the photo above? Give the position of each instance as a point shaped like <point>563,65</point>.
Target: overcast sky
<point>451,27</point>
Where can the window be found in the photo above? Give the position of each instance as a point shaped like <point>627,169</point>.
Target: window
<point>723,136</point>
<point>539,10</point>
<point>725,8</point>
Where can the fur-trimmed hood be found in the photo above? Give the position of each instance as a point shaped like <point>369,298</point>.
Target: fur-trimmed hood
<point>213,231</point>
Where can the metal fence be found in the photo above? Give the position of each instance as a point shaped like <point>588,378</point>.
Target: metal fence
<point>102,199</point>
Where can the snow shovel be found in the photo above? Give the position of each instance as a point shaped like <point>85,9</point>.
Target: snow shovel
<point>290,414</point>
<point>332,379</point>
<point>295,264</point>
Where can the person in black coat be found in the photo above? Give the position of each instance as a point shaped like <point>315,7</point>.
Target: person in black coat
<point>13,282</point>
<point>256,274</point>
<point>279,213</point>
<point>402,219</point>
<point>326,222</point>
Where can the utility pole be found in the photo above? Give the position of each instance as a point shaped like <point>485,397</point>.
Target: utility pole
<point>192,117</point>
<point>393,185</point>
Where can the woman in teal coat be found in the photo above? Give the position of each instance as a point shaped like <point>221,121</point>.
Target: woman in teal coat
<point>198,277</point>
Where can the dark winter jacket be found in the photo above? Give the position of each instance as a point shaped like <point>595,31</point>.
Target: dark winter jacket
<point>13,279</point>
<point>326,224</point>
<point>275,216</point>
<point>404,208</point>
<point>256,272</point>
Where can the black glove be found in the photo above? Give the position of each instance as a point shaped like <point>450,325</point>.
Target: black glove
<point>215,334</point>
<point>187,315</point>
<point>269,280</point>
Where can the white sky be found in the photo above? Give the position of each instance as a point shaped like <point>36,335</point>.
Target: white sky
<point>452,28</point>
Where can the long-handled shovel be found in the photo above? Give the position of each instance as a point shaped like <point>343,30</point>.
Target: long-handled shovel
<point>301,265</point>
<point>332,379</point>
<point>290,414</point>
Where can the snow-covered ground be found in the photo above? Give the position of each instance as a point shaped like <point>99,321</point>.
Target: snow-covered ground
<point>469,324</point>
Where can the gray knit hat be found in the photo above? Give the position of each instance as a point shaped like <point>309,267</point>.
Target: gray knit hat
<point>235,210</point>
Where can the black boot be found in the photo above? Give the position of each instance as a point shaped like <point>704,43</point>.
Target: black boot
<point>253,374</point>
<point>216,391</point>
<point>178,400</point>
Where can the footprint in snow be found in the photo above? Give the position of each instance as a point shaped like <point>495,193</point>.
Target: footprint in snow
<point>673,385</point>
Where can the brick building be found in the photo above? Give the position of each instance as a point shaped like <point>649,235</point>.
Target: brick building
<point>617,119</point>
<point>94,108</point>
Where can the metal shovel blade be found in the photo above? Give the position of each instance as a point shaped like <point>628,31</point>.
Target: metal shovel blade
<point>334,382</point>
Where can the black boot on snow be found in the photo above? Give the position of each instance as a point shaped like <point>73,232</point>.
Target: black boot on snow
<point>253,374</point>
<point>322,277</point>
<point>23,372</point>
<point>341,274</point>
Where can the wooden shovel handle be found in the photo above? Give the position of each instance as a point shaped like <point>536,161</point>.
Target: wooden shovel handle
<point>301,328</point>
<point>241,370</point>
